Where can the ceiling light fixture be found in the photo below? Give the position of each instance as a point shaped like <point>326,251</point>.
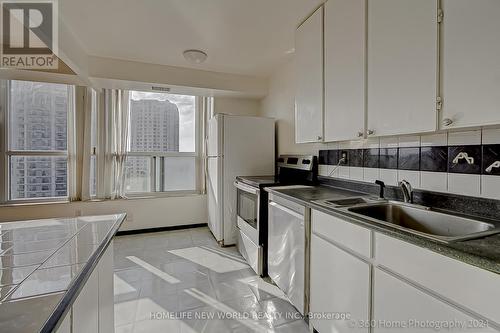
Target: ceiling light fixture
<point>195,56</point>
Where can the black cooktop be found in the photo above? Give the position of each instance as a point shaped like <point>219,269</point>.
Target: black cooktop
<point>293,170</point>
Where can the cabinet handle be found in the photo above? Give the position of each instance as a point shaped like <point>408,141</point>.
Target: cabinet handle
<point>447,122</point>
<point>370,132</point>
<point>360,134</point>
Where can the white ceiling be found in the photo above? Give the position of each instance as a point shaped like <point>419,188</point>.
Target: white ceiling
<point>240,36</point>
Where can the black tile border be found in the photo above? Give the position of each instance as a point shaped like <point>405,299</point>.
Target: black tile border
<point>389,158</point>
<point>423,158</point>
<point>462,166</point>
<point>371,158</point>
<point>434,159</point>
<point>355,158</point>
<point>491,154</point>
<point>333,157</point>
<point>409,159</point>
<point>323,157</point>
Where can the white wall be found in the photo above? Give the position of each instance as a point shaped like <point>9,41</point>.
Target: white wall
<point>142,213</point>
<point>237,106</point>
<point>132,71</point>
<point>280,104</point>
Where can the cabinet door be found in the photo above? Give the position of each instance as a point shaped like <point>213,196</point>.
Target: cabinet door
<point>309,82</point>
<point>65,326</point>
<point>85,308</point>
<point>106,292</point>
<point>345,40</point>
<point>402,66</point>
<point>400,303</point>
<point>340,283</point>
<point>470,68</point>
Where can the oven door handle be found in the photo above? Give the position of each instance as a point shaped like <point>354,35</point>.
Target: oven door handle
<point>246,188</point>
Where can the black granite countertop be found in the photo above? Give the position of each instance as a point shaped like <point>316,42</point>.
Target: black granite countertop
<point>44,264</point>
<point>483,253</point>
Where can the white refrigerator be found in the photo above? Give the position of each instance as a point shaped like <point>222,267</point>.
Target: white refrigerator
<point>236,146</point>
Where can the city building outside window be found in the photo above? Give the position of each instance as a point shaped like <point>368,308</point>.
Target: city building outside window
<point>163,152</point>
<point>35,144</point>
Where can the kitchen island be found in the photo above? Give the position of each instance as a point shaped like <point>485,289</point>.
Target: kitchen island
<point>56,275</point>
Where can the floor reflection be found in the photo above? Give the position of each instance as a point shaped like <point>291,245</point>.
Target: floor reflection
<point>182,281</point>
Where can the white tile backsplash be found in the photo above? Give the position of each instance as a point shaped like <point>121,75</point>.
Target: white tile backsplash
<point>333,145</point>
<point>464,138</point>
<point>372,143</point>
<point>358,144</point>
<point>389,142</point>
<point>333,171</point>
<point>464,184</point>
<point>490,187</point>
<point>389,176</point>
<point>413,177</point>
<point>343,172</point>
<point>409,141</point>
<point>491,136</point>
<point>324,170</point>
<point>356,173</point>
<point>434,181</point>
<point>370,175</point>
<point>434,140</point>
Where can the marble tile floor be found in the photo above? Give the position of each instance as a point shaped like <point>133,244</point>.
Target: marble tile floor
<point>182,281</point>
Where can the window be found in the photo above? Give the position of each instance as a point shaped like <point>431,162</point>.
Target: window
<point>35,123</point>
<point>163,143</point>
<point>93,146</point>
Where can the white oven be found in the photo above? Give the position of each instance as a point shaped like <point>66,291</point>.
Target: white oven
<point>248,223</point>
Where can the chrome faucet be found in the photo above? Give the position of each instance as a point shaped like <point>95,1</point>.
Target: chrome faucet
<point>407,190</point>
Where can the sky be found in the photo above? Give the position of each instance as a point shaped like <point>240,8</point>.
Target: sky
<point>185,104</point>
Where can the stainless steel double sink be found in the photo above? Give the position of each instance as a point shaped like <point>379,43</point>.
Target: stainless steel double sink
<point>419,220</point>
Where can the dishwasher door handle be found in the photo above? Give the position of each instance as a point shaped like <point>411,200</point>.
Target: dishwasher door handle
<point>288,211</point>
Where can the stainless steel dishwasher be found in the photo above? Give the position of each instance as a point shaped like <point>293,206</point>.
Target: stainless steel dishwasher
<point>288,250</point>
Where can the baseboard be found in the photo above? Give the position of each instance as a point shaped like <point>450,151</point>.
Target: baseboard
<point>160,229</point>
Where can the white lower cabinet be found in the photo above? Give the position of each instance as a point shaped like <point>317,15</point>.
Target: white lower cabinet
<point>86,307</point>
<point>340,285</point>
<point>400,307</point>
<point>106,292</point>
<point>65,326</point>
<point>393,286</point>
<point>93,309</point>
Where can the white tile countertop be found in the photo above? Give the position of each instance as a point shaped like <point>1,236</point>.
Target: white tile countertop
<point>43,264</point>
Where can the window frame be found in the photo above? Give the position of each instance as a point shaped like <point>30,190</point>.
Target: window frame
<point>157,162</point>
<point>6,153</point>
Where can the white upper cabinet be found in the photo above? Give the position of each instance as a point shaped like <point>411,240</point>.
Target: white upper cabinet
<point>309,79</point>
<point>471,66</point>
<point>345,43</point>
<point>402,66</point>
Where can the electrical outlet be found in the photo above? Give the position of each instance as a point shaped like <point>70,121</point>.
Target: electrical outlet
<point>343,157</point>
